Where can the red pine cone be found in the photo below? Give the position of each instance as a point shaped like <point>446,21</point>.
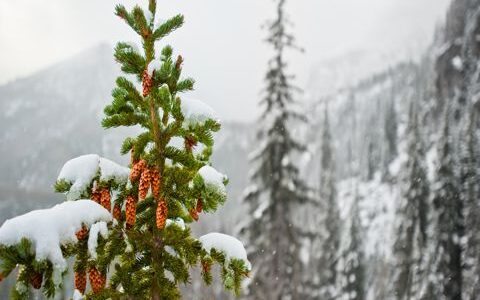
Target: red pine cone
<point>179,62</point>
<point>199,207</point>
<point>97,280</point>
<point>206,267</point>
<point>137,169</point>
<point>96,196</point>
<point>162,214</point>
<point>82,233</point>
<point>131,211</point>
<point>80,280</point>
<point>155,180</point>
<point>117,212</point>
<point>132,156</point>
<point>145,180</point>
<point>105,199</point>
<point>194,214</point>
<point>1,277</point>
<point>190,143</point>
<point>147,83</point>
<point>36,280</point>
<point>197,210</point>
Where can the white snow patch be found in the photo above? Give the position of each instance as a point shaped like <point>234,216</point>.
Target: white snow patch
<point>154,65</point>
<point>80,172</point>
<point>196,112</point>
<point>213,179</point>
<point>457,63</point>
<point>48,229</point>
<point>230,246</point>
<point>133,45</point>
<point>77,295</point>
<point>97,228</point>
<point>178,222</point>
<point>110,170</point>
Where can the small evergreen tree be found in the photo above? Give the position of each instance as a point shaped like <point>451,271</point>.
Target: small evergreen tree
<point>449,229</point>
<point>351,265</point>
<point>327,266</point>
<point>411,217</point>
<point>278,190</point>
<point>142,243</point>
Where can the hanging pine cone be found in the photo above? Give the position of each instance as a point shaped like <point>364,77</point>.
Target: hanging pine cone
<point>147,83</point>
<point>97,280</point>
<point>105,199</point>
<point>131,211</point>
<point>137,169</point>
<point>206,267</point>
<point>178,63</point>
<point>194,214</point>
<point>155,182</point>
<point>80,281</point>
<point>199,207</point>
<point>82,233</point>
<point>162,214</point>
<point>190,143</point>
<point>36,280</point>
<point>96,195</point>
<point>1,277</point>
<point>132,156</point>
<point>145,180</point>
<point>117,212</point>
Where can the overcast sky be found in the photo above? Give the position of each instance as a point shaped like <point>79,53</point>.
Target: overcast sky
<point>221,40</point>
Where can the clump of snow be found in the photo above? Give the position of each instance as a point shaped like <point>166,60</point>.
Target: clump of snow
<point>77,295</point>
<point>81,171</point>
<point>48,229</point>
<point>178,222</point>
<point>230,246</point>
<point>457,63</point>
<point>196,112</point>
<point>213,179</point>
<point>133,45</point>
<point>154,65</point>
<point>97,228</point>
<point>110,170</point>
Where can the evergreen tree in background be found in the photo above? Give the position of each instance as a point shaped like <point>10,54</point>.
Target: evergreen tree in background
<point>411,217</point>
<point>351,264</point>
<point>390,132</point>
<point>327,265</point>
<point>449,224</point>
<point>470,196</point>
<point>277,190</point>
<point>133,228</point>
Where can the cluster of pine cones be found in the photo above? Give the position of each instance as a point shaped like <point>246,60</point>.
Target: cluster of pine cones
<point>149,178</point>
<point>98,280</point>
<point>102,197</point>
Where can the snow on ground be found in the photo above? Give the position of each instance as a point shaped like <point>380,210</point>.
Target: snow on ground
<point>196,112</point>
<point>213,179</point>
<point>230,246</point>
<point>48,229</point>
<point>81,171</point>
